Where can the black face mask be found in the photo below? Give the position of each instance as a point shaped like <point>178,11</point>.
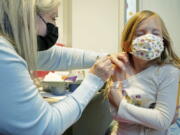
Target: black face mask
<point>49,40</point>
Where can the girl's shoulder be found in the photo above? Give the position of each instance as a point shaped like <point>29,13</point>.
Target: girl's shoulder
<point>167,71</point>
<point>168,68</point>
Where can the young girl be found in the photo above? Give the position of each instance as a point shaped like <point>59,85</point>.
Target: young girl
<point>144,87</point>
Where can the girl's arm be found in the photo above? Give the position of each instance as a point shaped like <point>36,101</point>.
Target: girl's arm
<point>162,115</point>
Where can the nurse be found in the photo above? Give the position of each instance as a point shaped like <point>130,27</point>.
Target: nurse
<point>26,27</point>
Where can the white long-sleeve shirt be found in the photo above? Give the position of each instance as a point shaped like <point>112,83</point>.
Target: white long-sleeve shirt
<point>22,110</point>
<point>136,114</point>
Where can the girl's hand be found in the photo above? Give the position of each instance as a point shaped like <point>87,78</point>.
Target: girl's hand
<point>115,95</point>
<point>122,67</point>
<point>120,61</point>
<point>118,75</point>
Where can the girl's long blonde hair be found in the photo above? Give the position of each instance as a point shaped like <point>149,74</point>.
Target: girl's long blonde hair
<point>18,25</point>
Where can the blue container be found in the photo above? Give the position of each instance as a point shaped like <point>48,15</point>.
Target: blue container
<point>73,87</point>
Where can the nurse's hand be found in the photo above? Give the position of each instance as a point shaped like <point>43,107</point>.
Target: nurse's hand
<point>103,68</point>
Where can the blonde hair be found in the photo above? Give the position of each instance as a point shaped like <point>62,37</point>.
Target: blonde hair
<point>18,25</point>
<point>45,6</point>
<point>168,56</point>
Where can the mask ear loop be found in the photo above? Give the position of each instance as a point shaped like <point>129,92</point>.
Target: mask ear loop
<point>42,19</point>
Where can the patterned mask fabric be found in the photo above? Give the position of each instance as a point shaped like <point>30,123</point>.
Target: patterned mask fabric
<point>147,47</point>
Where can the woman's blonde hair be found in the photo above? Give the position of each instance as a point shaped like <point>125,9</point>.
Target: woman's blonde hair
<point>45,6</point>
<point>167,56</point>
<point>18,25</point>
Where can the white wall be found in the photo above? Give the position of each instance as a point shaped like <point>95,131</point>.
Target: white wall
<point>60,22</point>
<point>169,11</point>
<point>64,22</point>
<point>95,25</point>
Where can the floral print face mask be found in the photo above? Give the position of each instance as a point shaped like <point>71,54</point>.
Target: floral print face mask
<point>147,47</point>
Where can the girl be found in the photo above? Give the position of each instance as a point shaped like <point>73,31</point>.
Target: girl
<point>143,89</point>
